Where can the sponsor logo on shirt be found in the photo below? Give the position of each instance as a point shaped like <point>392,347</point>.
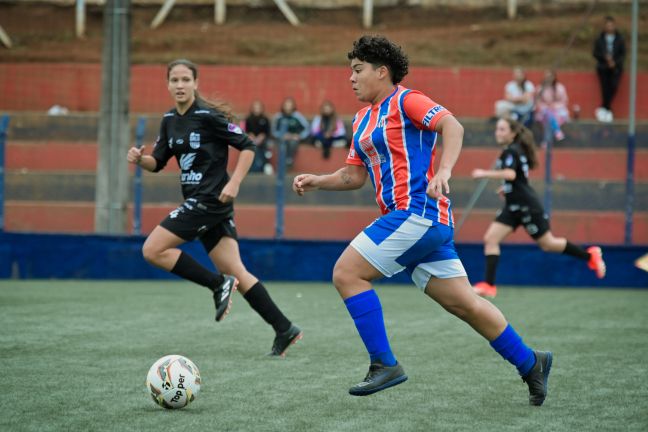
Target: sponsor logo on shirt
<point>187,160</point>
<point>194,140</point>
<point>234,128</point>
<point>430,115</point>
<point>191,177</point>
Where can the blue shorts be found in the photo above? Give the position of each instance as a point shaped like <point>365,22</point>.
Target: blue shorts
<point>403,241</point>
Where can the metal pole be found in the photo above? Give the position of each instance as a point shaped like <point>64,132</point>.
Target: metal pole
<point>219,12</point>
<point>629,208</point>
<point>80,18</point>
<point>113,181</point>
<point>4,126</point>
<point>137,180</point>
<point>281,173</point>
<point>367,13</point>
<point>548,180</point>
<point>512,9</point>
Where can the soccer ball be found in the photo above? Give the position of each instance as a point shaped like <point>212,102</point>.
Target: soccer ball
<point>173,381</point>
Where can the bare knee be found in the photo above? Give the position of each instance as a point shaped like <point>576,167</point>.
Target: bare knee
<point>151,254</point>
<point>341,277</point>
<point>490,240</point>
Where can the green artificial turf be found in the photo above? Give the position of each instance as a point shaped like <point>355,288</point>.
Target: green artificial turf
<point>75,356</point>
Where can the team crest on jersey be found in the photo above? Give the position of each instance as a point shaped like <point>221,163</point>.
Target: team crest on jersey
<point>234,128</point>
<point>179,141</point>
<point>430,115</point>
<point>194,140</point>
<point>508,161</point>
<point>368,148</point>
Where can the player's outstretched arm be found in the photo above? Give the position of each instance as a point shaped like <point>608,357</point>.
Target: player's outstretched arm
<point>348,178</point>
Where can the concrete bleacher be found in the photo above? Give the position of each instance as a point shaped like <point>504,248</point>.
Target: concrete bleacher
<point>51,163</point>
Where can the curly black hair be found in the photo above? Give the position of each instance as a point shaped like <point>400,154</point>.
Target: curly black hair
<point>380,51</point>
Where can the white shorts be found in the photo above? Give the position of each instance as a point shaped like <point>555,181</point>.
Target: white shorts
<point>403,241</point>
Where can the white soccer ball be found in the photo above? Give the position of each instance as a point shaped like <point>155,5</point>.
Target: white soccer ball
<point>173,381</point>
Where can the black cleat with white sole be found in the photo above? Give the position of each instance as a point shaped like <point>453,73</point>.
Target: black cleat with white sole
<point>379,378</point>
<point>538,377</point>
<point>223,296</point>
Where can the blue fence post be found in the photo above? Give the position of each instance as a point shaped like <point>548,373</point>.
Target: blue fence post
<point>629,207</point>
<point>137,180</point>
<point>4,126</point>
<point>548,180</point>
<point>281,173</point>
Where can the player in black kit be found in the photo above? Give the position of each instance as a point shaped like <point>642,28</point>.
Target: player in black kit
<point>198,134</point>
<point>522,206</point>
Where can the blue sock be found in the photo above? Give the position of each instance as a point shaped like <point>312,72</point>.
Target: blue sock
<point>510,346</point>
<point>366,311</point>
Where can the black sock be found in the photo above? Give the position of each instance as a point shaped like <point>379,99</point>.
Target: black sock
<point>190,269</point>
<point>491,268</point>
<point>261,302</point>
<point>578,252</point>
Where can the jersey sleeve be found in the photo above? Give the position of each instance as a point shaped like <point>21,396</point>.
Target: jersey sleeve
<point>161,151</point>
<point>353,158</point>
<point>509,160</point>
<point>423,111</point>
<point>231,133</point>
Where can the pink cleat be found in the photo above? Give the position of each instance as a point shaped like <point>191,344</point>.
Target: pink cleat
<point>596,262</point>
<point>485,289</point>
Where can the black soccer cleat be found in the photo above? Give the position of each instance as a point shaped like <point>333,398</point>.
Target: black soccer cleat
<point>538,377</point>
<point>282,341</point>
<point>223,296</point>
<point>379,378</point>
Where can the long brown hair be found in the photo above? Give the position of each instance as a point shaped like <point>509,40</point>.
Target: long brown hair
<point>524,137</point>
<point>219,105</point>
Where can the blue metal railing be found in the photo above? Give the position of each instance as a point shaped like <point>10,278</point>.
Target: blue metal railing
<point>4,126</point>
<point>137,180</point>
<point>281,174</point>
<point>548,186</point>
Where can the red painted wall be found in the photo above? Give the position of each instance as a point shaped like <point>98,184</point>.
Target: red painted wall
<point>468,92</point>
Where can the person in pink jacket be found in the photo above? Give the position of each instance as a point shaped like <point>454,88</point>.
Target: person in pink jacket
<point>551,107</point>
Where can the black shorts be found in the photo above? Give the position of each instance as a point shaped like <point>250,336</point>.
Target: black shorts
<point>536,223</point>
<point>193,220</point>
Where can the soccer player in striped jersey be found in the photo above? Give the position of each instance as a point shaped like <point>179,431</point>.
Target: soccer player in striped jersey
<point>522,206</point>
<point>393,144</point>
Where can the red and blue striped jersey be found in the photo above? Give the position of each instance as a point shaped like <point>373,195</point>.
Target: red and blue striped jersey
<point>395,140</point>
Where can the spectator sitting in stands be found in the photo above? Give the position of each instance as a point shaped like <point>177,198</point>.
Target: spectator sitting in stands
<point>551,107</point>
<point>257,126</point>
<point>327,127</point>
<point>518,99</point>
<point>289,126</point>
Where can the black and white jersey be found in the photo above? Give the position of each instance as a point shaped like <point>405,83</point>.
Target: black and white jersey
<point>518,192</point>
<point>199,140</point>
